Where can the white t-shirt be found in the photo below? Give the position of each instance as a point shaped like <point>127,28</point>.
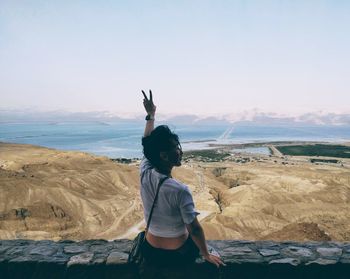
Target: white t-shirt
<point>174,207</point>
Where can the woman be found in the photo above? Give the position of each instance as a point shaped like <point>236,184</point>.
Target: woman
<point>175,235</point>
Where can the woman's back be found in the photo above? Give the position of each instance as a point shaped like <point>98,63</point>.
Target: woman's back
<point>174,207</point>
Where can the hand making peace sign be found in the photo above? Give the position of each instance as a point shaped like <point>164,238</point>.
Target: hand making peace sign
<point>148,103</point>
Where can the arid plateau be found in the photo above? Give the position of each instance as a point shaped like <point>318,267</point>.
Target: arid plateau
<point>52,194</point>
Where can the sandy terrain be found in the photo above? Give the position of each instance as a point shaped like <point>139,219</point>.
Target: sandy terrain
<point>51,194</point>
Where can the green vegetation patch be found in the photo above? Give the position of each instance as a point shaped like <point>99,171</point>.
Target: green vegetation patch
<point>334,161</point>
<point>325,150</point>
<point>208,155</point>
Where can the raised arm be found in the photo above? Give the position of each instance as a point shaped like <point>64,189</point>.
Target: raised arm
<point>151,111</point>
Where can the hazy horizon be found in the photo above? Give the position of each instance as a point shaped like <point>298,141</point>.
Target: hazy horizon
<point>198,57</point>
<point>252,117</point>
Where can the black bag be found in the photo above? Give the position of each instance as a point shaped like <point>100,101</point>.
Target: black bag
<point>135,254</point>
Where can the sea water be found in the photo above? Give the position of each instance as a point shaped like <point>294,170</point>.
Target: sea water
<point>124,139</point>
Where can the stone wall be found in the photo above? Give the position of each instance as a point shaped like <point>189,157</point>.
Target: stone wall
<point>244,259</point>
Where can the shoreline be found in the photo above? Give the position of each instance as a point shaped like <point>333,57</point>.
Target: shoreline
<point>215,147</point>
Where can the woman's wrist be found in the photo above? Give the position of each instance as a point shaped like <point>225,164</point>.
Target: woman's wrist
<point>205,253</point>
<point>149,117</point>
<point>207,257</point>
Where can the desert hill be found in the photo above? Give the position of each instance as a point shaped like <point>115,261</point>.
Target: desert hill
<point>52,194</point>
<point>282,202</point>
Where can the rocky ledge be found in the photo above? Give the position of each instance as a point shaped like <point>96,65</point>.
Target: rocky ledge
<point>104,259</point>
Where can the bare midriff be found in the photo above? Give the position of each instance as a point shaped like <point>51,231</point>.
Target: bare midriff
<point>170,243</point>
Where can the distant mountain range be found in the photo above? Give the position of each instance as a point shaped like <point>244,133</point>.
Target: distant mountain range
<point>253,117</point>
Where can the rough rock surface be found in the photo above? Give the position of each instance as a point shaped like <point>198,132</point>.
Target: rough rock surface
<point>104,259</point>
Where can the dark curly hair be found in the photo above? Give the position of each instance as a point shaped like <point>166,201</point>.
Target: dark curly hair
<point>159,140</point>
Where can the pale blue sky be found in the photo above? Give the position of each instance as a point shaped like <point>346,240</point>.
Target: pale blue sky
<point>201,57</point>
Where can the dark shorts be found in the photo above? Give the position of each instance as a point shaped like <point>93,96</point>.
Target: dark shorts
<point>184,255</point>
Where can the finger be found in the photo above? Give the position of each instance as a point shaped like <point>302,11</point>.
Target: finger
<point>214,261</point>
<point>150,95</point>
<point>218,262</point>
<point>144,95</point>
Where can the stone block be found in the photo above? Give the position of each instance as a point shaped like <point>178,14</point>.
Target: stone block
<point>122,245</point>
<point>218,245</point>
<point>99,260</point>
<point>16,251</point>
<point>291,261</point>
<point>100,242</point>
<point>75,249</point>
<point>238,251</point>
<point>81,259</point>
<point>297,251</point>
<point>267,244</point>
<point>268,252</point>
<point>321,261</point>
<point>3,249</point>
<point>329,252</point>
<point>43,250</point>
<point>117,258</point>
<point>101,249</point>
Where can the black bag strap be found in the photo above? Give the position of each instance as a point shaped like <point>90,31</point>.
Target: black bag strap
<point>154,202</point>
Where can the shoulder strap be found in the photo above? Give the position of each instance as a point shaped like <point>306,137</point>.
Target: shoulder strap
<point>154,202</point>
